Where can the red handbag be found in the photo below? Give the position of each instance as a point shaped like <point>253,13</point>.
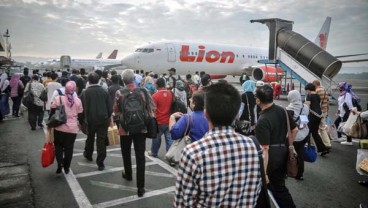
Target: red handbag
<point>48,154</point>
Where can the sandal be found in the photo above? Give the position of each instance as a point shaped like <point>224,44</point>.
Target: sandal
<point>363,183</point>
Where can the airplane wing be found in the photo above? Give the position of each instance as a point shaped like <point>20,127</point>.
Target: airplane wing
<point>112,66</point>
<point>350,55</point>
<point>352,61</point>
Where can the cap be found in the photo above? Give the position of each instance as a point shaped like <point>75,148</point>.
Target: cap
<point>205,79</point>
<point>172,69</point>
<point>259,83</point>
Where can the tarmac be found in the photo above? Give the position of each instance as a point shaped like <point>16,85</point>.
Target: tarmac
<point>330,182</point>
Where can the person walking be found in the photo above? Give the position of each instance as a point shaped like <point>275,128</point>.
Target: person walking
<point>35,111</point>
<point>249,103</point>
<point>314,117</point>
<point>325,104</point>
<point>198,125</point>
<point>298,109</point>
<point>163,100</point>
<point>271,131</point>
<point>65,134</point>
<point>98,116</point>
<point>51,88</point>
<point>16,91</point>
<point>128,135</point>
<point>222,168</point>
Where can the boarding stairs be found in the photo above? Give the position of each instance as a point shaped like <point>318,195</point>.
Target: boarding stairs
<point>303,74</point>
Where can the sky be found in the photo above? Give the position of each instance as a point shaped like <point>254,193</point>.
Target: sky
<point>83,28</point>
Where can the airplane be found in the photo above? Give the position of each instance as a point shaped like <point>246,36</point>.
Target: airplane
<point>88,64</point>
<point>99,55</point>
<point>218,60</point>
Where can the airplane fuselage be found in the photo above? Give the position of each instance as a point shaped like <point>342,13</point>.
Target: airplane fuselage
<point>189,57</point>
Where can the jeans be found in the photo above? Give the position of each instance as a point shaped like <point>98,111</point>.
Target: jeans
<point>4,104</point>
<point>156,143</point>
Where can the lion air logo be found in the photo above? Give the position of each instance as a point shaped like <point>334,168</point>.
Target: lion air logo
<point>323,40</point>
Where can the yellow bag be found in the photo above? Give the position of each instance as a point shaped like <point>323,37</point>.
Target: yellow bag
<point>113,135</point>
<point>364,164</point>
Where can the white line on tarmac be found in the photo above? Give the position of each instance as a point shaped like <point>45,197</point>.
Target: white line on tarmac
<point>81,175</point>
<point>92,165</point>
<point>167,175</point>
<point>134,197</point>
<point>162,164</point>
<point>95,152</point>
<point>81,139</point>
<point>115,186</point>
<point>77,190</point>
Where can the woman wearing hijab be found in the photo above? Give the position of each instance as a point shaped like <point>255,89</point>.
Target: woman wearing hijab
<point>16,89</point>
<point>65,134</point>
<point>297,108</point>
<point>345,105</point>
<point>249,102</point>
<point>4,95</point>
<point>313,101</point>
<point>149,84</point>
<point>180,93</point>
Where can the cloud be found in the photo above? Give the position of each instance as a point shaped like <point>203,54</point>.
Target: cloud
<point>82,28</point>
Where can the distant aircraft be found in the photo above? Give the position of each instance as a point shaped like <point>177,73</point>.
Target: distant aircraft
<point>218,60</point>
<point>99,55</point>
<point>113,54</point>
<point>89,64</point>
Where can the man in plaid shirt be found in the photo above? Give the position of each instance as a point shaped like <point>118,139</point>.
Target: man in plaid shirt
<point>222,169</point>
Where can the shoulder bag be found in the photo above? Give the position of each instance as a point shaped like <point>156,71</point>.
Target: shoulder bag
<point>28,98</point>
<point>43,96</point>
<point>359,129</point>
<point>292,159</point>
<point>177,105</point>
<point>59,117</point>
<point>174,153</point>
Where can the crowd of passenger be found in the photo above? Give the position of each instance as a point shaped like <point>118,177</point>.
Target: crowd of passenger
<point>221,166</point>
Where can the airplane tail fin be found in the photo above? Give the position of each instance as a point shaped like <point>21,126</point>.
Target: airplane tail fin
<point>322,37</point>
<point>113,54</point>
<point>99,55</point>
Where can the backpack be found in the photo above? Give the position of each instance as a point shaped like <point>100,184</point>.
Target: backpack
<point>135,115</point>
<point>355,103</point>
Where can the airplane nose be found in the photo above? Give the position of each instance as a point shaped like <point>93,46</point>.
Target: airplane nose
<point>128,60</point>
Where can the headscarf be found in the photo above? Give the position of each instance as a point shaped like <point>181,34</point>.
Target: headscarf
<point>249,86</point>
<point>345,87</point>
<point>295,102</point>
<point>3,77</point>
<point>179,85</point>
<point>14,80</point>
<point>70,88</point>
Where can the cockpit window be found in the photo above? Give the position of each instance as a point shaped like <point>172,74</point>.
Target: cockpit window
<point>144,50</point>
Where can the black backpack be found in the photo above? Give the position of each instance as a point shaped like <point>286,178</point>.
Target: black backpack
<point>135,115</point>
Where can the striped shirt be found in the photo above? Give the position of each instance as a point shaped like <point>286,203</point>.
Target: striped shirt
<point>323,96</point>
<point>220,170</point>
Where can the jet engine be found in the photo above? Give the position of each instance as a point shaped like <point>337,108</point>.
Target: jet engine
<point>267,73</point>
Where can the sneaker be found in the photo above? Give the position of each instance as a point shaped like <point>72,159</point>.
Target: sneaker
<point>347,143</point>
<point>141,192</point>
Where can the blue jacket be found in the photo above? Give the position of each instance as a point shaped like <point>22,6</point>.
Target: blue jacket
<point>198,126</point>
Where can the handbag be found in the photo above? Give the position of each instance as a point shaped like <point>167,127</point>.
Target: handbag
<point>48,154</point>
<point>152,128</point>
<point>362,162</point>
<point>174,152</point>
<point>43,96</point>
<point>292,158</point>
<point>59,117</point>
<point>113,135</point>
<point>28,98</point>
<point>244,126</point>
<point>349,123</point>
<point>310,153</point>
<point>359,129</point>
<point>332,132</point>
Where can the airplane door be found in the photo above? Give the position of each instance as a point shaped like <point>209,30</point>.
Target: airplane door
<point>170,52</point>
